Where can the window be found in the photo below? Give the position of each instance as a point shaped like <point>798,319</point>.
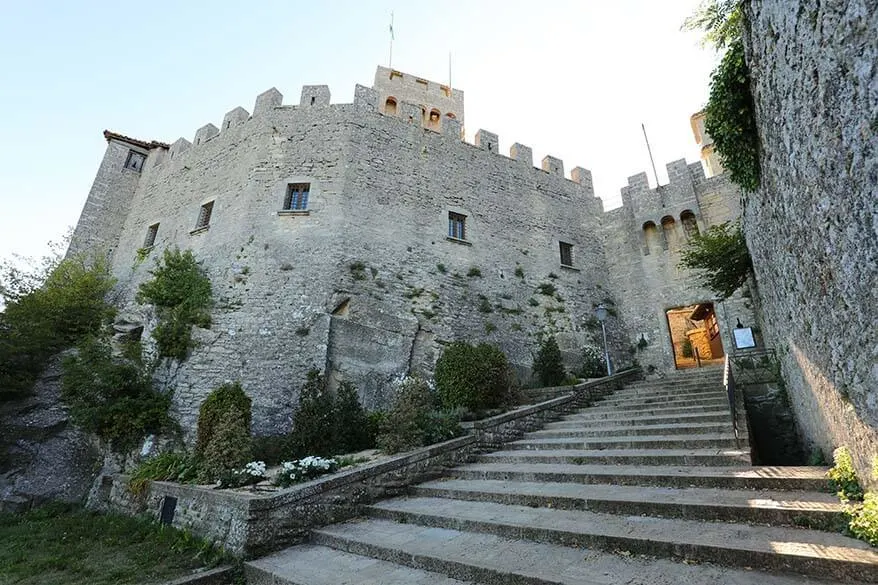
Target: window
<point>297,197</point>
<point>456,226</point>
<point>134,162</point>
<point>151,233</point>
<point>390,107</point>
<point>204,216</point>
<point>566,254</point>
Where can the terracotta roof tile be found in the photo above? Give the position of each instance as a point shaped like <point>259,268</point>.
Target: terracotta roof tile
<point>134,141</point>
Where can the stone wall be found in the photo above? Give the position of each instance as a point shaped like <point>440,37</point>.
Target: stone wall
<point>364,284</point>
<point>811,226</point>
<point>643,240</point>
<point>250,523</point>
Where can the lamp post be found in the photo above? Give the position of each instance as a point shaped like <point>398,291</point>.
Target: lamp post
<point>601,313</point>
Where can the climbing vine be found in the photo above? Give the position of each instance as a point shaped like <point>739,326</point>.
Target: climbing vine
<point>730,118</point>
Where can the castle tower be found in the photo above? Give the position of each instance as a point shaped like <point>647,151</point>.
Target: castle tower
<point>712,164</point>
<point>437,101</point>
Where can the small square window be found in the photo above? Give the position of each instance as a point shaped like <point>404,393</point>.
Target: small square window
<point>456,226</point>
<point>204,216</point>
<point>151,233</point>
<point>297,197</point>
<point>135,160</point>
<point>566,254</point>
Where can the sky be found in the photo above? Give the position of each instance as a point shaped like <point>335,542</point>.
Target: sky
<point>572,79</point>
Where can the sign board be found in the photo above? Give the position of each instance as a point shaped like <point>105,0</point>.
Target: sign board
<point>744,338</point>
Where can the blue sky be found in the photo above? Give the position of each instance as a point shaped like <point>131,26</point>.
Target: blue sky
<point>573,79</point>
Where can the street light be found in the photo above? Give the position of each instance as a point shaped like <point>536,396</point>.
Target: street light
<point>602,313</point>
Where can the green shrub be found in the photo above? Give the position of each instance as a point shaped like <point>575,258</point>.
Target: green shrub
<point>474,272</point>
<point>272,448</point>
<point>414,421</point>
<point>473,377</point>
<point>864,518</point>
<point>519,271</point>
<point>844,477</point>
<point>182,294</point>
<point>686,349</point>
<point>223,442</point>
<point>548,367</point>
<point>350,422</point>
<point>547,288</point>
<point>593,363</point>
<point>46,313</point>
<point>112,397</point>
<point>719,258</point>
<point>313,426</point>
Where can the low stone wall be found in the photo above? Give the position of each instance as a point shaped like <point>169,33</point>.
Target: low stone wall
<point>249,523</point>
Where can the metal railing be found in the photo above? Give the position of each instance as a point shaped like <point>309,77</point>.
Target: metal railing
<point>729,383</point>
<point>756,366</point>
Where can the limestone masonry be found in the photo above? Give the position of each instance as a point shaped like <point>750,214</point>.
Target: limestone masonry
<point>358,238</point>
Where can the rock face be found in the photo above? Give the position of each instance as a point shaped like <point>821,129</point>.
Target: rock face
<point>811,226</point>
<point>44,456</point>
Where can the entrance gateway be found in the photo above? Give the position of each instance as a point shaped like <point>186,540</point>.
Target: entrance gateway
<point>695,338</point>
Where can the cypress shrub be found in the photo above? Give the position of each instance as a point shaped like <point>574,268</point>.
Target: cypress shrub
<point>473,377</point>
<point>548,367</point>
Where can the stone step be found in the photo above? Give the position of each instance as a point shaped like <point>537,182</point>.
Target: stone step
<point>693,441</point>
<point>810,552</point>
<point>743,477</point>
<point>622,456</point>
<point>629,431</point>
<point>600,413</point>
<point>702,417</point>
<point>320,565</point>
<point>491,559</point>
<point>630,403</point>
<point>798,508</point>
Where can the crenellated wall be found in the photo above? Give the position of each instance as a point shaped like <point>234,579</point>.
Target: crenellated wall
<point>364,284</point>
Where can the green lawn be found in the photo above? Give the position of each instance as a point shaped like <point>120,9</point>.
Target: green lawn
<point>65,545</point>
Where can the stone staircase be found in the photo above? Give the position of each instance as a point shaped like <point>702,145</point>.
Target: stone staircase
<point>645,487</point>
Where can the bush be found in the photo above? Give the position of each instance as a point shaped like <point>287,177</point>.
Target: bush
<point>303,470</point>
<point>178,467</point>
<point>272,448</point>
<point>864,519</point>
<point>473,377</point>
<point>547,366</point>
<point>844,477</point>
<point>413,421</point>
<point>313,426</point>
<point>593,363</point>
<point>720,258</point>
<point>40,321</point>
<point>351,426</point>
<point>686,349</point>
<point>181,292</point>
<point>223,442</point>
<point>112,397</point>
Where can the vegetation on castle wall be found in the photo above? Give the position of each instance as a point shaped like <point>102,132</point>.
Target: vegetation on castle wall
<point>730,117</point>
<point>181,292</point>
<point>473,377</point>
<point>547,366</point>
<point>112,397</point>
<point>720,258</point>
<point>861,509</point>
<point>48,309</point>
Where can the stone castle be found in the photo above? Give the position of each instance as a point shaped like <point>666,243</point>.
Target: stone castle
<point>358,238</point>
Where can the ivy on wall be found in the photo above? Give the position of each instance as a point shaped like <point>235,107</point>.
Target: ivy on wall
<point>730,118</point>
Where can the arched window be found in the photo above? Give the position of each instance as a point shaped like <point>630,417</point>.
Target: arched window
<point>450,115</point>
<point>390,106</point>
<point>433,120</point>
<point>690,224</point>
<point>650,237</point>
<point>669,232</point>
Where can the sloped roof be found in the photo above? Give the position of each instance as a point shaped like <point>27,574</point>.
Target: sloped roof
<point>134,141</point>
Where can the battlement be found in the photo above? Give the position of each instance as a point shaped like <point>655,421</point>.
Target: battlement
<point>373,100</point>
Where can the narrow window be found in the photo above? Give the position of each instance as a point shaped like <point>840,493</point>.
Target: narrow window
<point>297,197</point>
<point>313,99</point>
<point>134,162</point>
<point>690,224</point>
<point>566,254</point>
<point>204,215</point>
<point>390,107</point>
<point>151,233</point>
<point>456,226</point>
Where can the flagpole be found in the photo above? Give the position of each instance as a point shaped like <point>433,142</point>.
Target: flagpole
<point>390,59</point>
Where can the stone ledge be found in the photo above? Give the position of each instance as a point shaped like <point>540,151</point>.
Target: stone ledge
<point>294,212</point>
<point>199,230</point>
<point>570,268</point>
<point>459,241</point>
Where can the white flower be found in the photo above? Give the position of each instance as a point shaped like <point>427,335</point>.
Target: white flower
<point>255,468</point>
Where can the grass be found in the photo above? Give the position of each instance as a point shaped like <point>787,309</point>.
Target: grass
<point>66,545</point>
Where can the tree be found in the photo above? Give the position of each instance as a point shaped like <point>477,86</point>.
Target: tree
<point>720,258</point>
<point>547,366</point>
<point>720,20</point>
